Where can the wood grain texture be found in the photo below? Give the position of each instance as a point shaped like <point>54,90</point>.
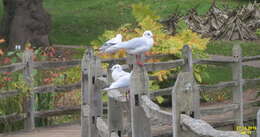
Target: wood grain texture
<point>238,89</point>
<point>29,105</point>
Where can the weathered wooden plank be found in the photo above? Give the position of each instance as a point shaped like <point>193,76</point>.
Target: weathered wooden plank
<point>224,61</point>
<point>84,98</point>
<point>258,123</point>
<point>12,67</point>
<point>188,67</point>
<point>183,95</point>
<point>252,82</point>
<point>218,109</point>
<point>55,64</point>
<point>200,128</point>
<point>5,94</point>
<point>102,128</point>
<point>237,74</point>
<point>93,93</point>
<point>123,60</point>
<point>152,110</point>
<point>250,58</point>
<point>160,65</point>
<point>29,105</point>
<point>163,65</point>
<point>58,111</point>
<point>217,86</point>
<point>187,57</point>
<point>160,92</point>
<point>12,117</point>
<point>140,123</point>
<point>227,121</point>
<point>54,88</point>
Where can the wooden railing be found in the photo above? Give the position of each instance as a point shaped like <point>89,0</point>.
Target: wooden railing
<point>91,108</point>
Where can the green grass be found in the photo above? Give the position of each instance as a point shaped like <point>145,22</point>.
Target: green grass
<point>217,74</point>
<point>225,48</point>
<point>79,22</point>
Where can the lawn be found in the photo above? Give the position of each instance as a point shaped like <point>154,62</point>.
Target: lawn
<point>81,21</point>
<point>78,22</point>
<point>217,74</point>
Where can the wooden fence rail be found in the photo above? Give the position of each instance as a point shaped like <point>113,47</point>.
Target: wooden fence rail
<point>141,107</point>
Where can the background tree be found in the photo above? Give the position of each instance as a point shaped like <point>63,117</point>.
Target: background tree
<point>25,21</point>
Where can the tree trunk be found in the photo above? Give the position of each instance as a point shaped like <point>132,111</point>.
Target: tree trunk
<point>25,21</point>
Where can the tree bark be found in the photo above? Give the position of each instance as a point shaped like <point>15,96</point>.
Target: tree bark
<point>25,21</point>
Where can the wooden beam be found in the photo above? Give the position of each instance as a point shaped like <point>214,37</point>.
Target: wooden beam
<point>161,92</point>
<point>218,86</point>
<point>55,64</point>
<point>29,103</point>
<point>252,82</point>
<point>58,111</point>
<point>218,109</point>
<point>12,67</point>
<point>224,61</point>
<point>140,123</point>
<point>258,124</point>
<point>237,74</point>
<point>163,65</point>
<point>55,88</point>
<point>84,98</point>
<point>102,128</point>
<point>251,58</point>
<point>12,117</point>
<point>5,94</point>
<point>94,102</point>
<point>187,57</point>
<point>152,110</point>
<point>183,95</point>
<point>115,108</point>
<point>200,128</point>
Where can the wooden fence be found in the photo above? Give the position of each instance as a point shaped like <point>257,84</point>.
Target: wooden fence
<point>141,107</point>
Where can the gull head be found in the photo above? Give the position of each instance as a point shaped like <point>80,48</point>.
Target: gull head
<point>148,34</point>
<point>119,36</point>
<point>116,67</point>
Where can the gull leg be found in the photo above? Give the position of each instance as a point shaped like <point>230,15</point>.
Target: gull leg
<point>138,62</point>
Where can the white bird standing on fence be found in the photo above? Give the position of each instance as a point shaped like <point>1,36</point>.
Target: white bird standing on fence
<point>111,42</point>
<point>135,46</point>
<point>122,82</point>
<point>118,72</point>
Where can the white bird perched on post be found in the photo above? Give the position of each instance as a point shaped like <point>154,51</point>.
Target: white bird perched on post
<point>118,72</point>
<point>111,42</point>
<point>135,46</point>
<point>122,82</point>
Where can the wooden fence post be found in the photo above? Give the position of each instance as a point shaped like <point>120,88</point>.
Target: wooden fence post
<point>94,101</point>
<point>84,106</point>
<point>187,56</point>
<point>182,100</point>
<point>115,112</point>
<point>188,67</point>
<point>140,124</point>
<point>238,89</point>
<point>258,124</point>
<point>29,103</point>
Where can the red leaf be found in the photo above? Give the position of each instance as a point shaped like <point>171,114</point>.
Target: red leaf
<point>6,60</point>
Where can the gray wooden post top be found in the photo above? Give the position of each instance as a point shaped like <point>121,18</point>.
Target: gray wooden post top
<point>182,99</point>
<point>258,124</point>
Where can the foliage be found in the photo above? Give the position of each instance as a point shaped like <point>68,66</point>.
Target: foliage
<point>258,32</point>
<point>164,44</point>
